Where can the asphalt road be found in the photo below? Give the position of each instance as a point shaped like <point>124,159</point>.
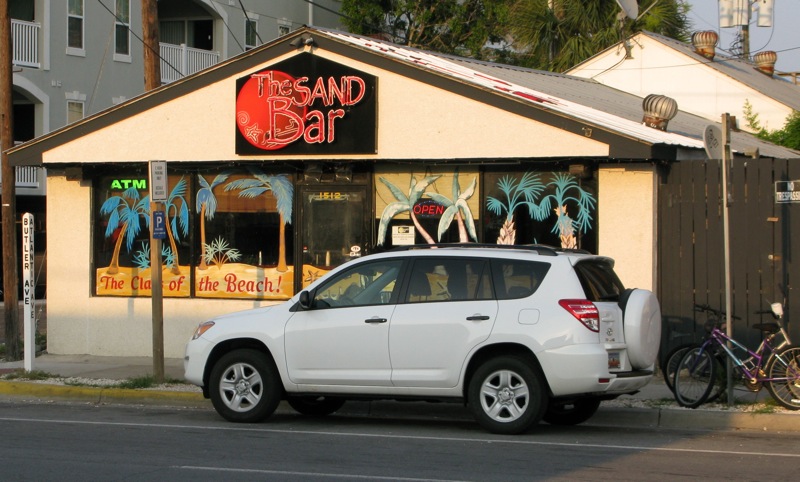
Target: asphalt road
<point>60,441</point>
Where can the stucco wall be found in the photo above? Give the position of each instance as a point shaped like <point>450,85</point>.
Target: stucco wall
<point>79,323</point>
<point>627,221</point>
<point>415,121</point>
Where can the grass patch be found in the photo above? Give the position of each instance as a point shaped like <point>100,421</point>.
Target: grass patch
<point>146,381</point>
<point>21,374</point>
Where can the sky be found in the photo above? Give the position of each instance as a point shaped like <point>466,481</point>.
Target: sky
<point>782,37</point>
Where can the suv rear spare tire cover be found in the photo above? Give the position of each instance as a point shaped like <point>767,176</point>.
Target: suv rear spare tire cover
<point>642,320</point>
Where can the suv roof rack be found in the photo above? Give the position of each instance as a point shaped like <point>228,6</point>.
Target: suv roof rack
<point>541,249</point>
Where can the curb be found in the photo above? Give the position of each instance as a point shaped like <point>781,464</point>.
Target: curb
<point>102,394</point>
<point>627,417</point>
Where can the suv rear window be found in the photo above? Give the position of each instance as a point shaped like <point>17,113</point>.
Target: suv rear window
<point>599,281</point>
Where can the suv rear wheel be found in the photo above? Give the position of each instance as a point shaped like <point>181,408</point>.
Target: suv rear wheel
<point>245,386</point>
<point>506,395</point>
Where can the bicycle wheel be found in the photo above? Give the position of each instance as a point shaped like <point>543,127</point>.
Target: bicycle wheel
<point>783,369</point>
<point>694,377</point>
<point>670,364</point>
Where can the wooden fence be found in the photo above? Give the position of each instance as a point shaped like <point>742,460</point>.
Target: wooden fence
<point>764,238</point>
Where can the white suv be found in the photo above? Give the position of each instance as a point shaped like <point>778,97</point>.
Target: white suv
<point>518,334</point>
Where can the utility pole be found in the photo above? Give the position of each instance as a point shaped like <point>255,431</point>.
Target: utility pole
<point>152,80</point>
<point>152,59</point>
<point>9,201</point>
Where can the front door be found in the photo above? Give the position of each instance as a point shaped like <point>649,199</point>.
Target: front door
<point>335,227</point>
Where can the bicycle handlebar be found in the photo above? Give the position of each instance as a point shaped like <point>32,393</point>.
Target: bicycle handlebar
<point>713,311</point>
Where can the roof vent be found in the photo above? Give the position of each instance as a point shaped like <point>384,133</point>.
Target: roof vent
<point>658,110</point>
<point>765,62</point>
<point>705,43</point>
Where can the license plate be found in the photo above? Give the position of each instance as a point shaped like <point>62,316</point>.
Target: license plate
<point>613,360</point>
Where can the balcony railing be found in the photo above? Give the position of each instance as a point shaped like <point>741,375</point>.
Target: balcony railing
<point>178,61</point>
<point>28,176</point>
<point>25,43</point>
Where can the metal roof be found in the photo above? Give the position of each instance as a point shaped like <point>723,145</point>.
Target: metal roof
<point>596,95</point>
<point>577,97</point>
<point>494,80</point>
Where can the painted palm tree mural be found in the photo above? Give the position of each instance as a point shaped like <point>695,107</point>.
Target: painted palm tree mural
<point>124,213</point>
<point>282,189</point>
<point>457,208</point>
<point>206,206</point>
<point>567,190</point>
<point>405,203</point>
<point>518,192</point>
<point>177,212</point>
<point>527,191</point>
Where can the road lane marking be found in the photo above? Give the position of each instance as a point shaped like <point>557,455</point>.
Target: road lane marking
<point>310,474</point>
<point>509,441</point>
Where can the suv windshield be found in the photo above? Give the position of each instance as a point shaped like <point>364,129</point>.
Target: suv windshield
<point>599,281</point>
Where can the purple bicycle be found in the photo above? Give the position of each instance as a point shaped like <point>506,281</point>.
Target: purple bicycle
<point>775,364</point>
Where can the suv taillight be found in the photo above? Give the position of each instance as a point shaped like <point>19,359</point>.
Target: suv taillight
<point>585,311</point>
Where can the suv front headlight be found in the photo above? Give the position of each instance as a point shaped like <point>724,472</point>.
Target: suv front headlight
<point>202,328</point>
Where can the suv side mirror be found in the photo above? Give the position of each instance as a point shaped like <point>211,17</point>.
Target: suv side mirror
<point>777,310</point>
<point>305,300</point>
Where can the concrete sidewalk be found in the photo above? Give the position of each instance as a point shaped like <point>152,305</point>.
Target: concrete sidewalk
<point>652,407</point>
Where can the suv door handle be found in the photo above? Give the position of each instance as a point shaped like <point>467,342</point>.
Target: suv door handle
<point>375,320</point>
<point>477,318</point>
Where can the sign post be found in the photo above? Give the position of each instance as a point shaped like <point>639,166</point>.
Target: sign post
<point>28,291</point>
<point>158,194</point>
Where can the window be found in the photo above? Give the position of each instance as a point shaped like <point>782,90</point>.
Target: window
<point>250,34</point>
<point>74,111</point>
<point>551,207</point>
<point>197,34</point>
<point>448,279</point>
<point>229,234</point>
<point>284,27</point>
<point>517,279</point>
<point>365,284</point>
<point>75,27</point>
<point>599,281</point>
<point>122,49</point>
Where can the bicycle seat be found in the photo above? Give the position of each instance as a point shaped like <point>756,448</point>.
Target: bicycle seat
<point>766,327</point>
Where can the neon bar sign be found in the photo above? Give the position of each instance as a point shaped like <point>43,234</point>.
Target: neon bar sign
<point>303,105</point>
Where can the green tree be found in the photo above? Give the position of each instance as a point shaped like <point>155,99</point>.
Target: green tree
<point>788,136</point>
<point>463,27</point>
<point>558,34</point>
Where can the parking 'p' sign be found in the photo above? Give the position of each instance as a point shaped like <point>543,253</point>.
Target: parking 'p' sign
<point>159,225</point>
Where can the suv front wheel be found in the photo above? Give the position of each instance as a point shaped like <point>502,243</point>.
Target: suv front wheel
<point>245,386</point>
<point>506,395</point>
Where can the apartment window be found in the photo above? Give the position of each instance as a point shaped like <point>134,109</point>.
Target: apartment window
<point>74,111</point>
<point>284,27</point>
<point>122,48</point>
<point>75,27</point>
<point>250,34</point>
